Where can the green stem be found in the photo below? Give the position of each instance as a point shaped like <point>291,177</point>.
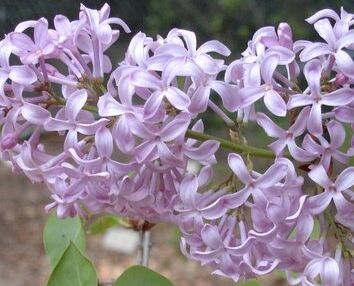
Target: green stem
<point>239,148</point>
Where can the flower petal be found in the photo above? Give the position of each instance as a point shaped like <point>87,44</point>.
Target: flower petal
<point>152,104</point>
<point>345,179</point>
<point>214,46</point>
<point>75,103</point>
<point>231,98</point>
<point>314,124</point>
<point>325,30</point>
<point>177,98</point>
<point>104,142</point>
<point>317,204</point>
<point>310,145</point>
<point>336,132</point>
<point>41,33</point>
<point>145,79</point>
<point>269,126</point>
<point>233,201</point>
<point>188,191</point>
<point>330,273</point>
<point>204,152</point>
<point>35,114</point>
<point>70,140</point>
<point>275,103</point>
<point>239,168</point>
<point>300,154</point>
<point>123,137</point>
<point>312,72</point>
<point>340,97</point>
<point>175,128</point>
<point>318,174</point>
<point>314,50</point>
<point>299,100</point>
<point>324,13</point>
<point>199,100</point>
<point>62,25</point>
<point>273,175</point>
<point>21,42</point>
<point>104,33</point>
<point>286,56</point>
<point>22,75</point>
<point>268,66</point>
<point>108,106</point>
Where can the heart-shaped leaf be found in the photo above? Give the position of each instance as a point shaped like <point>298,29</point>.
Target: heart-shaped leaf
<point>57,236</point>
<point>73,269</point>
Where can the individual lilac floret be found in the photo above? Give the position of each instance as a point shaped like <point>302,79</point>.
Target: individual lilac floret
<point>18,74</point>
<point>98,25</point>
<point>254,184</point>
<point>74,119</point>
<point>256,72</point>
<point>328,150</point>
<point>287,137</point>
<point>338,38</point>
<point>316,98</point>
<point>30,51</point>
<point>338,191</point>
<point>324,268</point>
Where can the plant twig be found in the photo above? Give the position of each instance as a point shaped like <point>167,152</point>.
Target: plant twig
<point>240,148</point>
<point>144,247</point>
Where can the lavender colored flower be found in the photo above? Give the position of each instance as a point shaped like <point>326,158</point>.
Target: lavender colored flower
<point>316,99</point>
<point>336,191</point>
<point>327,150</point>
<point>31,51</point>
<point>127,146</point>
<point>287,137</point>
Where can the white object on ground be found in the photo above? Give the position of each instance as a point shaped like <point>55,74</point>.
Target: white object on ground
<point>121,240</point>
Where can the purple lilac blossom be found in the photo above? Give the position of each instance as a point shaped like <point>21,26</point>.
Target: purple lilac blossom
<point>125,146</point>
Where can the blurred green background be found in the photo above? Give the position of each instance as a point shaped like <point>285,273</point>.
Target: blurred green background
<point>231,21</point>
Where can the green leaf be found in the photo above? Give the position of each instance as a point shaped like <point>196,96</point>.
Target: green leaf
<point>103,223</point>
<point>57,236</point>
<point>140,275</point>
<point>251,282</point>
<point>73,269</point>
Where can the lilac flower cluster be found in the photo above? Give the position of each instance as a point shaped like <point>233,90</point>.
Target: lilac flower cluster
<point>127,144</point>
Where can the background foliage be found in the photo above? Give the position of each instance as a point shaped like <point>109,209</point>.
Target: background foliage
<point>231,21</point>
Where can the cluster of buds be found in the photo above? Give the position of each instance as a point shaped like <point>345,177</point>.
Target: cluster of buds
<point>127,145</point>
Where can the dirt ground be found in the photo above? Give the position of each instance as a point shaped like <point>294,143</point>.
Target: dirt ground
<point>22,257</point>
